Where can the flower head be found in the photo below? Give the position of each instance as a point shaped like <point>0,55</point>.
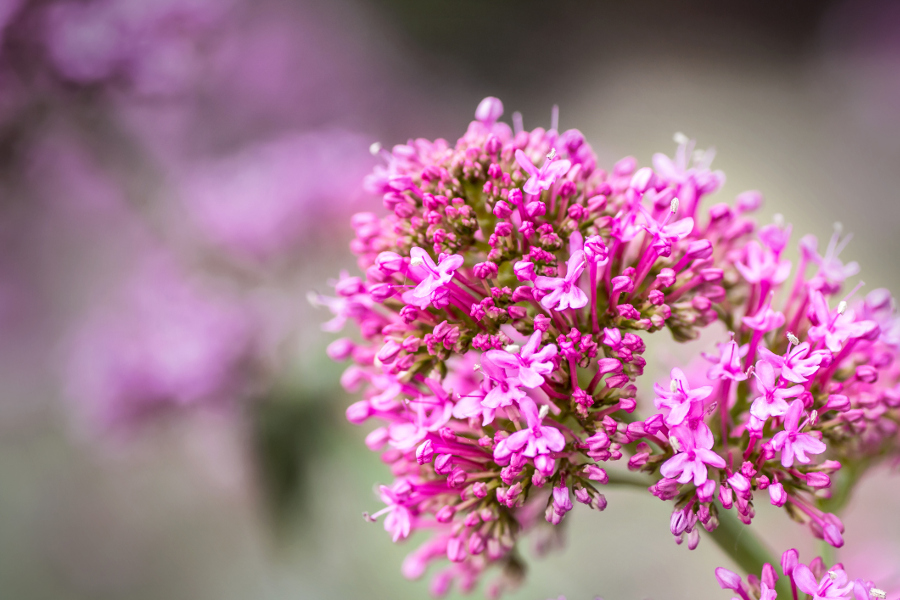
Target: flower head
<point>507,368</point>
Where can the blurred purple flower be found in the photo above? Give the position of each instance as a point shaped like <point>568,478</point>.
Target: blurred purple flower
<point>155,46</point>
<point>169,343</point>
<point>263,200</point>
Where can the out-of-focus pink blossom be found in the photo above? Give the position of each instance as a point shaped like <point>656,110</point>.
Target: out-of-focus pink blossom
<point>169,343</point>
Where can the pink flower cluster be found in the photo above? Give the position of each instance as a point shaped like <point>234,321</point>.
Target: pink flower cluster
<point>169,343</point>
<point>502,314</point>
<point>779,406</point>
<point>816,580</point>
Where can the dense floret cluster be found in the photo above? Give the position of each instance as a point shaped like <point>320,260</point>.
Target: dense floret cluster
<point>503,312</point>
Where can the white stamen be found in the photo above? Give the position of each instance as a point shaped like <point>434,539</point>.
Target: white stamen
<point>673,386</point>
<point>674,205</point>
<point>779,219</point>
<point>416,262</point>
<point>832,575</point>
<point>375,148</point>
<point>676,445</point>
<point>512,348</point>
<point>814,416</point>
<point>368,517</point>
<point>699,156</point>
<point>878,593</point>
<point>679,138</point>
<point>842,307</point>
<point>838,227</point>
<point>476,368</point>
<point>545,410</point>
<point>552,154</point>
<point>792,338</point>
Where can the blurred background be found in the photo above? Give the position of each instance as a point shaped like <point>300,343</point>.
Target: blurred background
<point>176,175</point>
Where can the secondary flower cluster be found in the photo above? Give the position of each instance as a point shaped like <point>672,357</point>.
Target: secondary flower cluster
<point>816,580</point>
<point>501,313</point>
<point>776,403</point>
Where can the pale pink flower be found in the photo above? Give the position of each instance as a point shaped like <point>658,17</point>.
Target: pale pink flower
<point>435,277</point>
<point>529,365</point>
<point>773,402</point>
<point>563,292</point>
<point>792,443</point>
<point>695,454</point>
<point>679,397</point>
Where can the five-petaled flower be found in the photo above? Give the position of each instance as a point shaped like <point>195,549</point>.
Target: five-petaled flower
<point>543,178</point>
<point>772,403</point>
<point>434,277</point>
<point>792,443</point>
<point>529,365</point>
<point>679,398</point>
<point>563,292</point>
<point>696,453</point>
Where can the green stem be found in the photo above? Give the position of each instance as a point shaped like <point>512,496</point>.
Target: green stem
<point>745,549</point>
<point>736,539</point>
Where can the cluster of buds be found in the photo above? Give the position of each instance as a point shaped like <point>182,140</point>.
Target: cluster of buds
<point>815,580</point>
<point>502,317</point>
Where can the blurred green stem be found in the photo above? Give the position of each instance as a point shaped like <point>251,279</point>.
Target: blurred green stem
<point>734,538</point>
<point>745,549</point>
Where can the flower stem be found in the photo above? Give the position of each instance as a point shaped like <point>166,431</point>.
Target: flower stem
<point>736,539</point>
<point>745,549</point>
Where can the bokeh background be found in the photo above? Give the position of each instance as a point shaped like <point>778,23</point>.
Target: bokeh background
<point>177,175</point>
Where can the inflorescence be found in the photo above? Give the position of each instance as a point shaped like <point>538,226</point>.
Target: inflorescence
<point>503,313</point>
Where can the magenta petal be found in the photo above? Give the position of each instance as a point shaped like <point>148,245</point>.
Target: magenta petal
<point>502,359</point>
<point>700,474</point>
<point>526,164</point>
<point>711,458</point>
<point>546,353</point>
<point>532,187</point>
<point>674,466</point>
<point>555,440</point>
<point>468,406</point>
<point>728,580</point>
<point>452,263</point>
<point>679,229</point>
<point>551,300</point>
<point>577,298</point>
<point>792,417</point>
<point>556,169</point>
<point>532,344</point>
<point>529,378</point>
<point>805,580</point>
<point>544,283</point>
<point>516,441</point>
<point>678,413</point>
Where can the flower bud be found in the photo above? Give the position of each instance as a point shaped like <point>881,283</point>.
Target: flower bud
<point>595,473</point>
<point>489,110</point>
<point>445,514</point>
<point>358,412</point>
<point>425,452</point>
<point>456,552</point>
<point>777,495</point>
<point>818,480</point>
<point>748,201</point>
